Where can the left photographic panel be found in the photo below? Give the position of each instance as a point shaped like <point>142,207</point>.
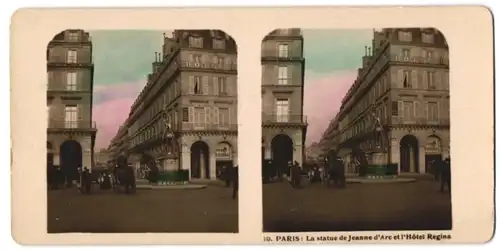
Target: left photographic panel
<point>142,132</point>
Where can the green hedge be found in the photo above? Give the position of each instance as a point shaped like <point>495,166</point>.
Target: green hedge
<point>178,175</point>
<point>390,169</point>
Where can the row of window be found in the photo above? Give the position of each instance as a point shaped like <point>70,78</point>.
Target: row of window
<point>193,118</point>
<point>427,78</point>
<point>73,36</point>
<point>197,42</point>
<point>279,50</point>
<point>412,79</point>
<point>406,36</point>
<point>201,85</point>
<point>202,116</point>
<point>409,111</point>
<point>428,56</point>
<point>199,59</point>
<point>171,92</point>
<point>70,81</point>
<point>71,55</point>
<point>71,115</point>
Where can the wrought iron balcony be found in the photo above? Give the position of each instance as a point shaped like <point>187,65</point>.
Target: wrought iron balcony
<point>283,119</point>
<point>273,54</point>
<point>66,88</point>
<point>421,121</point>
<point>209,127</point>
<point>421,60</point>
<point>72,125</point>
<point>209,66</point>
<point>63,61</point>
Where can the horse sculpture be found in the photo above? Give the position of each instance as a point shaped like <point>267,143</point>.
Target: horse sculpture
<point>123,176</point>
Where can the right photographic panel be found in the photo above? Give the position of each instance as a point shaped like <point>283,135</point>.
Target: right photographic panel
<point>355,130</point>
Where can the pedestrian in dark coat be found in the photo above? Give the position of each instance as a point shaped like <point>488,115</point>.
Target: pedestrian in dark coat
<point>446,174</point>
<point>340,173</point>
<point>58,177</point>
<point>235,179</point>
<point>227,174</point>
<point>86,180</point>
<point>295,175</point>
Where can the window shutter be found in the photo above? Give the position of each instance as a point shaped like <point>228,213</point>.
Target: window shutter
<point>208,115</point>
<point>426,110</point>
<point>414,79</point>
<point>204,84</point>
<point>215,85</point>
<point>416,107</point>
<point>400,109</point>
<point>79,112</point>
<point>438,78</point>
<point>210,86</point>
<point>446,78</point>
<point>80,80</point>
<point>191,114</point>
<point>439,109</point>
<point>228,85</point>
<point>191,85</point>
<point>264,74</point>
<point>401,79</point>
<point>216,115</point>
<point>425,80</point>
<point>447,108</point>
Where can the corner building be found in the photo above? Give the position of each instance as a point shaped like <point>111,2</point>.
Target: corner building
<point>283,124</point>
<point>70,130</point>
<point>194,81</point>
<point>405,78</point>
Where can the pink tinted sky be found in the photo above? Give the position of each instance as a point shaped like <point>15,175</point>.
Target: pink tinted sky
<point>322,99</point>
<point>113,109</point>
<point>333,57</point>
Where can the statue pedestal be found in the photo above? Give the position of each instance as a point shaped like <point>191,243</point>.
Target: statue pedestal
<point>378,166</point>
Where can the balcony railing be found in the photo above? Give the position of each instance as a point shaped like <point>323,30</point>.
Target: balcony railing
<point>72,125</point>
<point>273,54</point>
<point>209,66</point>
<point>283,119</point>
<point>60,60</point>
<point>421,60</point>
<point>421,121</point>
<point>209,127</point>
<point>62,88</point>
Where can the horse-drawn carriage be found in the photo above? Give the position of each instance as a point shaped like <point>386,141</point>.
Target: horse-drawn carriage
<point>123,177</point>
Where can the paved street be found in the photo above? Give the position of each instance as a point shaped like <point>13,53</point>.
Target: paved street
<point>196,210</point>
<point>398,206</point>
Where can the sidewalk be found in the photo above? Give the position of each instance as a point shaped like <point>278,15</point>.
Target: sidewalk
<point>144,184</point>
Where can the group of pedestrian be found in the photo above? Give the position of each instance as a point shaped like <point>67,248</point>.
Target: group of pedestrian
<point>231,177</point>
<point>334,172</point>
<point>82,178</point>
<point>85,183</point>
<point>442,173</point>
<point>295,171</point>
<point>58,177</point>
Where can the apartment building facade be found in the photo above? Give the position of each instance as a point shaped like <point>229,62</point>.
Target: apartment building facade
<point>119,145</point>
<point>70,130</point>
<point>405,81</point>
<point>186,115</point>
<point>101,157</point>
<point>283,124</point>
